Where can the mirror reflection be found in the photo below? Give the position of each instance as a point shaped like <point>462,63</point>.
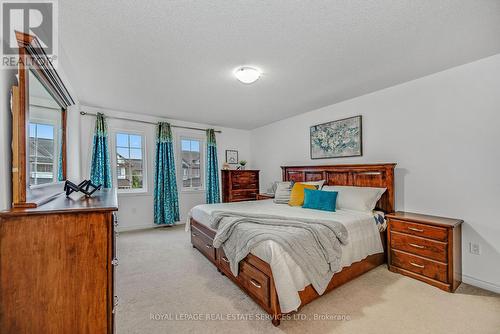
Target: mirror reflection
<point>44,135</point>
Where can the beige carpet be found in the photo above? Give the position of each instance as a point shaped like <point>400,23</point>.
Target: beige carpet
<point>162,281</point>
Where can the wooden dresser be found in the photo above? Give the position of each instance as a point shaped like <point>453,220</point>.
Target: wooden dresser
<point>427,248</point>
<point>57,266</point>
<point>240,185</point>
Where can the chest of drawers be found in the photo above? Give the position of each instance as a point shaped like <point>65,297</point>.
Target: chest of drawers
<point>427,248</point>
<point>240,185</point>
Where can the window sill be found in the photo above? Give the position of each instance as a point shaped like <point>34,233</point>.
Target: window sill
<point>192,191</point>
<point>134,193</point>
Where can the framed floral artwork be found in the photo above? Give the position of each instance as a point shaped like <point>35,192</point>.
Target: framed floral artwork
<point>337,139</point>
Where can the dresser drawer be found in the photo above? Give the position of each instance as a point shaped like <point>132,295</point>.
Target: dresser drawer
<point>435,250</point>
<point>203,243</point>
<point>419,265</point>
<point>421,230</point>
<point>255,282</point>
<point>245,185</point>
<point>244,195</point>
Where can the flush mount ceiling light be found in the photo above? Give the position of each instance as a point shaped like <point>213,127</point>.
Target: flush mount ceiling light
<point>247,74</point>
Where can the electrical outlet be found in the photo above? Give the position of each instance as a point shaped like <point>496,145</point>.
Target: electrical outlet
<point>474,248</point>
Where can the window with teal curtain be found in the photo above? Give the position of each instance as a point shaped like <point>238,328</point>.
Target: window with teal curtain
<point>166,200</point>
<point>100,170</point>
<point>212,194</point>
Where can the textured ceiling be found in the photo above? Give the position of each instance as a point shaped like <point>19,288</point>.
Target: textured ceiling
<point>175,58</point>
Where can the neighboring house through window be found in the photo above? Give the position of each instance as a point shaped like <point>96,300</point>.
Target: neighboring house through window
<point>42,165</point>
<point>130,164</point>
<point>191,150</point>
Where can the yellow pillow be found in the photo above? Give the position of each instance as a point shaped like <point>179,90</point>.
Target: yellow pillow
<point>297,193</point>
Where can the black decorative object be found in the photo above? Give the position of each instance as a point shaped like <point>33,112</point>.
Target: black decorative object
<point>86,187</point>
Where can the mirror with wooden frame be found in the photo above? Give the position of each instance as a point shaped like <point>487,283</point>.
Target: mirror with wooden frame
<point>39,105</point>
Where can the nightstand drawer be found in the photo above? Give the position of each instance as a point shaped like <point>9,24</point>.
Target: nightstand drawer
<point>419,265</point>
<point>421,230</point>
<point>435,250</point>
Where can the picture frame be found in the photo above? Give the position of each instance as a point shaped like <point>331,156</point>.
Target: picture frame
<point>232,157</point>
<point>337,139</point>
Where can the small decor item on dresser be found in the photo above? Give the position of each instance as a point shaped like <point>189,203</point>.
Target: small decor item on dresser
<point>225,166</point>
<point>86,187</point>
<point>232,157</point>
<point>341,138</point>
<point>242,164</point>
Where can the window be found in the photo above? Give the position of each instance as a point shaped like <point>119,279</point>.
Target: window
<point>129,161</point>
<point>191,160</point>
<point>41,153</point>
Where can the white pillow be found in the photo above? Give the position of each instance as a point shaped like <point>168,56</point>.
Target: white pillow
<point>282,193</point>
<point>356,198</point>
<point>315,183</point>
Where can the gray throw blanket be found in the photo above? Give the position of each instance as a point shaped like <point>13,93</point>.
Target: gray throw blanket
<point>313,245</point>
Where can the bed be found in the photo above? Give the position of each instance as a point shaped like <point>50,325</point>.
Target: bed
<point>268,275</point>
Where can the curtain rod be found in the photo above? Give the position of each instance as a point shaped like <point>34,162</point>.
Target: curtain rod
<point>83,113</point>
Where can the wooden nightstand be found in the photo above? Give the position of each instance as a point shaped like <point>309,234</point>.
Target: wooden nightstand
<point>264,196</point>
<point>427,248</point>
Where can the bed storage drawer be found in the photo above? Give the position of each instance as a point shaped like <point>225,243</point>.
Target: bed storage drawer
<point>223,262</point>
<point>435,250</point>
<point>420,230</point>
<point>255,282</point>
<point>203,243</point>
<point>420,265</point>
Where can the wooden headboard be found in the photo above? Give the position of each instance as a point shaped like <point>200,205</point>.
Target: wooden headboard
<point>370,175</point>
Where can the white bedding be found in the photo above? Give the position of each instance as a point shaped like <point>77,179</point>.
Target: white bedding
<point>364,240</point>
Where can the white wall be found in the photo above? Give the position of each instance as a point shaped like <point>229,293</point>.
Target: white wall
<point>136,210</point>
<point>442,130</point>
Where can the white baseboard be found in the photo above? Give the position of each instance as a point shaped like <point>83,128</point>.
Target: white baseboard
<point>480,283</point>
<point>141,227</point>
<point>134,228</point>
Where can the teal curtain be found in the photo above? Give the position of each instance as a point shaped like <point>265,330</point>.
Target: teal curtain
<point>166,201</point>
<point>212,194</point>
<point>100,170</point>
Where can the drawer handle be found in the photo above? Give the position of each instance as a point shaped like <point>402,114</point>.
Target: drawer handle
<point>194,234</point>
<point>208,246</point>
<point>421,266</point>
<point>115,304</point>
<point>255,284</point>
<point>225,259</point>
<point>417,246</point>
<point>415,229</point>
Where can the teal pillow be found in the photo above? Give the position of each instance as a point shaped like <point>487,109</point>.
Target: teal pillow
<point>320,200</point>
